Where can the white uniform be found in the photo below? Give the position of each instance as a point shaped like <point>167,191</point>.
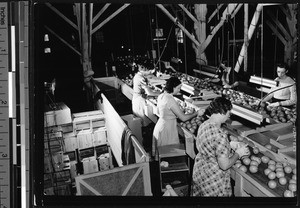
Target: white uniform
<point>288,95</point>
<point>165,131</point>
<point>138,99</point>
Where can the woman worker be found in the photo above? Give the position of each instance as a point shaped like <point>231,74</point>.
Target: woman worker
<point>140,91</point>
<point>284,94</point>
<point>165,131</point>
<point>211,173</point>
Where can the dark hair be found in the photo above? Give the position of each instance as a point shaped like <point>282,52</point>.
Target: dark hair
<point>147,64</point>
<point>218,105</point>
<point>282,65</point>
<point>171,83</point>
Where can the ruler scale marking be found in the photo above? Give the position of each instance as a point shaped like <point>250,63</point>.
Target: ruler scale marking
<point>5,160</point>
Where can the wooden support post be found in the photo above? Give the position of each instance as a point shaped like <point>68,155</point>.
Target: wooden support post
<point>250,33</point>
<point>200,30</point>
<point>246,41</point>
<point>90,28</point>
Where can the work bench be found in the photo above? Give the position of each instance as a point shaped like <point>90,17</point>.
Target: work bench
<point>245,183</point>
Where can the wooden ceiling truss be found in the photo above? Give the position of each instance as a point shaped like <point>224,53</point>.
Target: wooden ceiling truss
<point>200,42</point>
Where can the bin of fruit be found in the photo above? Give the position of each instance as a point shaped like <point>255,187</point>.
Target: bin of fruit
<point>278,177</point>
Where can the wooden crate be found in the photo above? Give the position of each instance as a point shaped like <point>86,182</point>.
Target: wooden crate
<point>99,136</point>
<point>70,142</point>
<point>90,165</point>
<point>57,178</point>
<point>104,161</point>
<point>104,155</point>
<point>85,153</point>
<point>85,139</point>
<point>57,114</point>
<point>88,120</point>
<point>129,180</point>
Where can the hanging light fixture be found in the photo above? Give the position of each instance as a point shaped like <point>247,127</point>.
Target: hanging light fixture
<point>179,35</point>
<point>46,38</point>
<point>47,48</point>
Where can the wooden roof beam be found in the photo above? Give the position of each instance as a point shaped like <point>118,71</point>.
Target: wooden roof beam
<point>62,16</point>
<point>286,12</point>
<point>100,12</point>
<point>188,13</point>
<point>281,38</point>
<point>236,10</point>
<point>175,20</point>
<point>228,11</point>
<point>77,11</point>
<point>110,17</point>
<point>272,4</point>
<point>63,41</point>
<point>215,12</point>
<point>280,26</point>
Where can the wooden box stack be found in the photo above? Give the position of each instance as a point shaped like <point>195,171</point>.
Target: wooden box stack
<point>57,114</point>
<point>72,142</point>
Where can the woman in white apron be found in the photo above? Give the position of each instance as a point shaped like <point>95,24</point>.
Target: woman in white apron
<point>165,131</point>
<point>140,92</point>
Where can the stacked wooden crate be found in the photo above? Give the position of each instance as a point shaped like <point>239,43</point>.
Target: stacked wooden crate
<point>93,149</point>
<point>57,180</point>
<point>73,144</point>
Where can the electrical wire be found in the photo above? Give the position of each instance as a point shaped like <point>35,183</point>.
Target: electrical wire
<point>184,44</point>
<point>164,46</point>
<point>261,48</point>
<point>151,36</point>
<point>254,54</point>
<point>132,44</point>
<point>233,50</point>
<point>222,45</point>
<point>158,49</point>
<point>275,46</point>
